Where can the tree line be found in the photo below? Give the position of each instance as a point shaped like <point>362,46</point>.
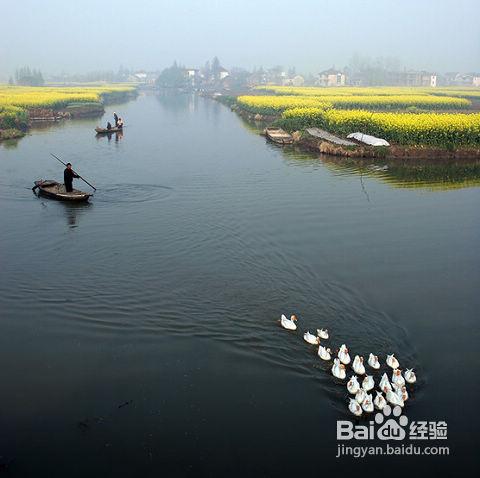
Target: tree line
<point>28,77</point>
<point>174,76</point>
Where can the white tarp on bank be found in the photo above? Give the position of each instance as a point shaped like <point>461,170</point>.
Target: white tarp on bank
<point>367,139</point>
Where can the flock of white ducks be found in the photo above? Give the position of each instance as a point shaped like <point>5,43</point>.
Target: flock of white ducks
<point>392,391</point>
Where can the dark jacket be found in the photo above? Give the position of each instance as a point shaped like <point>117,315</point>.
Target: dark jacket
<point>68,176</point>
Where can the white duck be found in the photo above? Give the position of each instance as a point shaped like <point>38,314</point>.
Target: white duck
<point>352,385</point>
<point>393,398</point>
<point>392,361</point>
<point>322,333</point>
<point>367,404</point>
<point>368,383</point>
<point>358,366</point>
<point>360,395</point>
<point>380,401</point>
<point>324,353</point>
<point>343,355</point>
<point>310,338</point>
<point>410,376</point>
<point>338,369</point>
<point>289,324</point>
<point>355,407</point>
<point>401,391</point>
<point>385,383</point>
<point>373,361</point>
<point>397,378</point>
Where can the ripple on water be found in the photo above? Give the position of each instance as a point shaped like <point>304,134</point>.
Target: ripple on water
<point>132,193</point>
<point>236,300</point>
<point>243,316</point>
<point>114,193</point>
<point>237,303</point>
<point>15,191</point>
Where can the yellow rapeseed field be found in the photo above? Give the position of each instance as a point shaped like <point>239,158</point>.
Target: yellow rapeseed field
<point>436,129</point>
<point>403,115</point>
<point>460,92</point>
<point>54,97</point>
<point>15,101</point>
<point>276,104</point>
<point>270,104</point>
<point>343,90</point>
<point>454,91</point>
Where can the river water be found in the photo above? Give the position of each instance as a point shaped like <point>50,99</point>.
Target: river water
<point>139,334</point>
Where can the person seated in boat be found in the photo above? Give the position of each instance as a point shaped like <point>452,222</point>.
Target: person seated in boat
<point>109,126</point>
<point>120,123</point>
<point>68,176</point>
<point>115,117</point>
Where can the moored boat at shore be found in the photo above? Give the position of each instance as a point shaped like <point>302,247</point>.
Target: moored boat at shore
<point>278,135</point>
<point>54,190</point>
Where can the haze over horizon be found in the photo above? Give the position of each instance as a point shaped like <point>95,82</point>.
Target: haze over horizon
<point>310,35</point>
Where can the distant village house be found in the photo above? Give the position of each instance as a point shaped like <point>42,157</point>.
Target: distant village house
<point>297,80</point>
<point>147,78</point>
<point>222,73</point>
<point>331,77</point>
<point>420,78</point>
<point>193,76</point>
<point>462,79</point>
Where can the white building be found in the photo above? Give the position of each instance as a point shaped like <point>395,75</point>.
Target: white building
<point>429,80</point>
<point>223,73</point>
<point>331,77</point>
<point>418,78</point>
<point>192,72</point>
<point>140,77</point>
<point>297,80</point>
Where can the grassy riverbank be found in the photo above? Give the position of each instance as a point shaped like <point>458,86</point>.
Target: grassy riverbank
<point>443,118</point>
<point>13,121</point>
<point>20,105</point>
<point>446,130</point>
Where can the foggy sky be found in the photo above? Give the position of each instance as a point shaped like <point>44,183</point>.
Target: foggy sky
<point>86,35</point>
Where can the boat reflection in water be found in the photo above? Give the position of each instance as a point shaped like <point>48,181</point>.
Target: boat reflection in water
<point>73,211</point>
<point>428,174</point>
<point>118,136</point>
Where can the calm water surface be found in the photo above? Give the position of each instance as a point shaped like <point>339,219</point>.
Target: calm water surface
<point>138,333</point>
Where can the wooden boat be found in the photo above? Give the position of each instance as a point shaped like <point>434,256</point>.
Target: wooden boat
<point>53,190</point>
<point>322,134</point>
<point>107,131</point>
<point>278,135</point>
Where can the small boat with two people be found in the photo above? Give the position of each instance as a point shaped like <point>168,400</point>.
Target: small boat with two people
<point>108,131</point>
<point>111,129</point>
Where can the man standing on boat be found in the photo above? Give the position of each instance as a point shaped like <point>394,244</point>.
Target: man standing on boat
<point>68,176</point>
<point>115,117</point>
